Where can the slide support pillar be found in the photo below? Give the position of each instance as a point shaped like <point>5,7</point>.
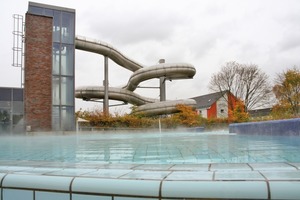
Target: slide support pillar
<point>162,84</point>
<point>105,84</point>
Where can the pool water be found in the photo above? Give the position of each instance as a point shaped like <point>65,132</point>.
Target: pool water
<point>152,148</point>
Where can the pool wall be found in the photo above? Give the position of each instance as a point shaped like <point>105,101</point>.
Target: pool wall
<point>289,127</point>
<point>149,182</point>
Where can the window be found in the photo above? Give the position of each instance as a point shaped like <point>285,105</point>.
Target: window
<point>67,60</point>
<point>67,94</point>
<point>55,91</point>
<point>55,58</point>
<point>35,10</point>
<point>56,118</point>
<point>67,116</point>
<point>67,28</point>
<point>56,26</point>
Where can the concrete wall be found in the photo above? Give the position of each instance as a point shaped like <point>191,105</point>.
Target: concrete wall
<point>290,127</point>
<point>38,72</point>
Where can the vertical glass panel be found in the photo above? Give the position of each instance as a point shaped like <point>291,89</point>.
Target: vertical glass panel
<point>35,10</point>
<point>67,118</point>
<point>56,26</point>
<point>56,58</point>
<point>18,107</point>
<point>5,94</point>
<point>67,28</point>
<point>4,120</point>
<point>67,92</point>
<point>55,91</point>
<point>48,12</point>
<point>67,60</point>
<point>17,95</point>
<point>55,118</point>
<point>17,119</point>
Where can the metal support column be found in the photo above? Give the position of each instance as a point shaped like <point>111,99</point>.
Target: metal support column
<point>162,88</point>
<point>162,84</point>
<point>105,84</point>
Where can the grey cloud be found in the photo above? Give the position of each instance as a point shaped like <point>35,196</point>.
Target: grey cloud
<point>133,25</point>
<point>290,33</point>
<point>290,42</point>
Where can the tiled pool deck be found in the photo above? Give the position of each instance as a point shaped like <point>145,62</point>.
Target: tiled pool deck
<point>35,180</point>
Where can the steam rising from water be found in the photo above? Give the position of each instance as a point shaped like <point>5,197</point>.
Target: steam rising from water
<point>152,148</point>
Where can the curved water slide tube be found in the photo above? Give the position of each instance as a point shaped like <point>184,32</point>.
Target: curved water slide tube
<point>146,106</point>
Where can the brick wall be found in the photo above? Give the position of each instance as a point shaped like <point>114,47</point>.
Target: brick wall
<point>38,72</point>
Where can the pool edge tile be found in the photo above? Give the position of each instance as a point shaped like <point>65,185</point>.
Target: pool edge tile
<point>238,176</point>
<point>285,189</point>
<point>230,167</point>
<point>41,182</point>
<point>130,187</point>
<point>215,189</point>
<point>272,166</point>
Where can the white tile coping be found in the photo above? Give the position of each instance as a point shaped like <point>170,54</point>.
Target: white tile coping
<point>258,181</point>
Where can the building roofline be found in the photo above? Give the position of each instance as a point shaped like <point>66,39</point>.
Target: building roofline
<point>51,7</point>
<point>205,101</point>
<point>213,93</point>
<point>7,87</point>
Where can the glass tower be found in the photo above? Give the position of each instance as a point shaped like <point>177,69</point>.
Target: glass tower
<point>63,53</point>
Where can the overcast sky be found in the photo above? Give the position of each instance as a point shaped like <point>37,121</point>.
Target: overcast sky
<point>204,33</point>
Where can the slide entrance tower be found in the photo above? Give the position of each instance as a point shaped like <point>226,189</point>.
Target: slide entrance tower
<point>49,68</point>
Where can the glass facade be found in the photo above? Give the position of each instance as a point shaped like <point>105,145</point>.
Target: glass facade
<point>63,53</point>
<point>11,110</point>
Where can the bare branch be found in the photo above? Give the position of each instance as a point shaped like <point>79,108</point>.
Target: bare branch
<point>246,82</point>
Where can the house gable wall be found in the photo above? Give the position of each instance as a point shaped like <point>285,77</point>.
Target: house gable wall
<point>202,112</point>
<point>222,107</point>
<point>215,105</point>
<point>212,111</point>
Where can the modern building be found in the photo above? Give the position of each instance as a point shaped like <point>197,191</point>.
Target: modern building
<point>11,110</point>
<point>49,76</point>
<point>215,105</point>
<point>260,113</point>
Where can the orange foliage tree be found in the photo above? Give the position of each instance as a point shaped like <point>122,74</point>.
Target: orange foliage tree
<point>287,92</point>
<point>281,111</point>
<point>95,117</point>
<point>186,116</point>
<point>238,114</point>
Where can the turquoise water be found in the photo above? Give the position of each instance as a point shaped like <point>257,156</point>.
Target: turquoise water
<point>152,148</point>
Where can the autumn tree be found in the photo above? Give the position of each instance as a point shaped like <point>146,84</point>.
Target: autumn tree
<point>238,114</point>
<point>287,92</point>
<point>187,116</point>
<point>245,81</point>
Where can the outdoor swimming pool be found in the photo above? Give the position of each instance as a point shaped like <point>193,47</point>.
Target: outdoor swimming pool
<point>152,148</point>
<point>168,165</point>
